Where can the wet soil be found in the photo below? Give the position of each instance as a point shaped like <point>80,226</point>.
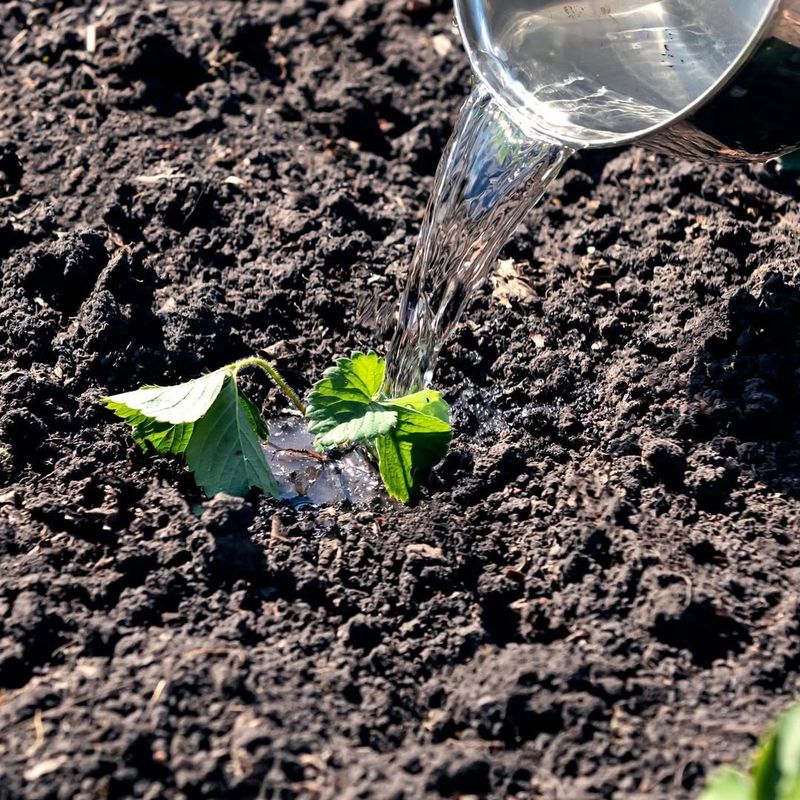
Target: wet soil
<point>595,596</point>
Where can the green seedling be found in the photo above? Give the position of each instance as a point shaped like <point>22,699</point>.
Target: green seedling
<point>775,771</point>
<point>219,432</point>
<point>406,435</point>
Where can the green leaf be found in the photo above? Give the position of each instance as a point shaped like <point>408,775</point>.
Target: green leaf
<point>775,773</point>
<point>150,434</point>
<point>415,444</point>
<point>345,405</point>
<point>163,417</point>
<point>224,452</point>
<point>184,402</point>
<point>786,761</point>
<point>368,422</point>
<point>254,418</point>
<point>765,770</point>
<point>409,434</point>
<point>163,437</point>
<point>728,784</point>
<point>207,420</point>
<point>428,401</point>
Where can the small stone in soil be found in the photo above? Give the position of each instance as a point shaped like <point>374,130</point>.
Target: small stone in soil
<point>307,478</point>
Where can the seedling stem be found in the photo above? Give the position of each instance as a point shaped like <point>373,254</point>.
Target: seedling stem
<point>273,373</point>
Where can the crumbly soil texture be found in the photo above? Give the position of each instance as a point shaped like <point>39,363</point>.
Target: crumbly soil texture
<point>595,594</point>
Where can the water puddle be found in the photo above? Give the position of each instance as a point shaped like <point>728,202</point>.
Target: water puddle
<point>475,411</point>
<point>306,478</point>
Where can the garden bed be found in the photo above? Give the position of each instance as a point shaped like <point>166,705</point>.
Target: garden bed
<point>595,595</point>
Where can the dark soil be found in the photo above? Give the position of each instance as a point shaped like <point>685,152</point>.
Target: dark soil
<point>596,594</point>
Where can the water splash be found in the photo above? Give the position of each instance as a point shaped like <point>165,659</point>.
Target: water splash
<point>490,175</point>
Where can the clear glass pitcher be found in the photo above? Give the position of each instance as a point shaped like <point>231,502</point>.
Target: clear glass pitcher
<point>716,79</point>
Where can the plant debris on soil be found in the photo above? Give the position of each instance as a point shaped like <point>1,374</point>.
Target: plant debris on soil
<point>596,594</point>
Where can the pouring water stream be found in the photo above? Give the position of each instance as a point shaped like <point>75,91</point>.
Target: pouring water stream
<point>490,175</point>
<point>712,80</point>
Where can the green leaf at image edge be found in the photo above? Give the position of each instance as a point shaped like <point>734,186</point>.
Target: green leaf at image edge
<point>789,753</point>
<point>766,773</point>
<point>775,773</point>
<point>776,769</point>
<point>728,784</point>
